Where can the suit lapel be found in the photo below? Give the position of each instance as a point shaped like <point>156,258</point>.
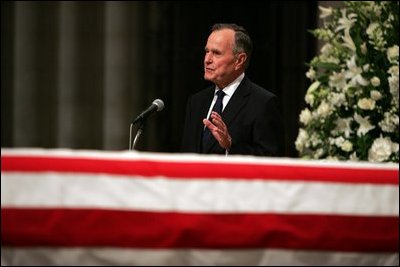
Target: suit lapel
<point>235,104</point>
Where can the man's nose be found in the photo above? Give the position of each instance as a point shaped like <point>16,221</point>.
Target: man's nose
<point>207,58</point>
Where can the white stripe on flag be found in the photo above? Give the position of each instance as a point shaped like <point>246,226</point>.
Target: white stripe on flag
<point>190,257</point>
<point>195,195</point>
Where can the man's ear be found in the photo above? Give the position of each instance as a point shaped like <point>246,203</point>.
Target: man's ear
<point>240,60</point>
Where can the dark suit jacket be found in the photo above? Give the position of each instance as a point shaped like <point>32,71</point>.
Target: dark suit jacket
<point>252,117</point>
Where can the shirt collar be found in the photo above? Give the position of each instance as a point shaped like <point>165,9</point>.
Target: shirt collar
<point>231,88</point>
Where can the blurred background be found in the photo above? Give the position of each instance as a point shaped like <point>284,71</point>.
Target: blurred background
<point>74,73</point>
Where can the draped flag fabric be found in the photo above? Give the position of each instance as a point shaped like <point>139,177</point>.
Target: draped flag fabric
<point>70,207</point>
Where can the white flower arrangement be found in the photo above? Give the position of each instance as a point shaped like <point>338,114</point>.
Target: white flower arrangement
<point>353,101</point>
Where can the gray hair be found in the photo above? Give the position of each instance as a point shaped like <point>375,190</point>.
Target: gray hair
<point>243,42</point>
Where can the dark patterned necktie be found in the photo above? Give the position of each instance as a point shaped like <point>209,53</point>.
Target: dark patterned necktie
<point>217,108</point>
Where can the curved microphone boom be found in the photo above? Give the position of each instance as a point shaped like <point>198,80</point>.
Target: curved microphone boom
<point>157,105</point>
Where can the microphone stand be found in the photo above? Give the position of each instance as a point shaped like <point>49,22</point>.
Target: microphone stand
<point>138,133</point>
<point>157,105</point>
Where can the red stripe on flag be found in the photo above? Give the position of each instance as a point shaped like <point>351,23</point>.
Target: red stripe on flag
<point>148,168</point>
<point>96,228</point>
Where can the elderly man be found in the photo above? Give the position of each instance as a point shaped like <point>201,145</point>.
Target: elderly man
<point>234,116</point>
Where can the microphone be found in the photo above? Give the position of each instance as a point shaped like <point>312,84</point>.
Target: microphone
<point>157,105</point>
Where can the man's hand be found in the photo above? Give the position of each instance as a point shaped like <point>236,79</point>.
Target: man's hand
<point>219,130</point>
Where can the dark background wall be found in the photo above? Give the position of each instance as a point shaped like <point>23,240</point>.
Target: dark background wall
<point>73,74</point>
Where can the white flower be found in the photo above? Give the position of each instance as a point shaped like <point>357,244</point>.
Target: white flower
<point>366,103</point>
<point>313,87</point>
<point>310,99</point>
<point>394,84</point>
<point>315,140</point>
<point>354,73</point>
<point>393,54</point>
<point>302,140</point>
<point>348,42</point>
<point>375,81</point>
<point>324,34</point>
<point>375,8</point>
<point>305,116</point>
<point>325,12</point>
<point>343,126</point>
<point>371,28</point>
<point>338,141</point>
<point>389,123</point>
<point>364,48</point>
<point>337,80</point>
<point>375,95</point>
<point>365,125</point>
<point>310,74</point>
<point>309,95</point>
<point>346,22</point>
<point>329,59</point>
<point>333,158</point>
<point>354,97</point>
<point>337,99</point>
<point>370,7</point>
<point>395,147</point>
<point>327,49</point>
<point>343,144</point>
<point>375,34</point>
<point>394,70</point>
<point>354,157</point>
<point>347,146</point>
<point>381,149</point>
<point>394,90</point>
<point>323,109</point>
<point>318,153</point>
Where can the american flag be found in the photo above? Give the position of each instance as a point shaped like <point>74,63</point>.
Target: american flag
<point>74,207</point>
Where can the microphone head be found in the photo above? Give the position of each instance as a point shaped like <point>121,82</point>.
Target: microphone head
<point>159,103</point>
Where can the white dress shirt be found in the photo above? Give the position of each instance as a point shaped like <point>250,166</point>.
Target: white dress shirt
<point>228,90</point>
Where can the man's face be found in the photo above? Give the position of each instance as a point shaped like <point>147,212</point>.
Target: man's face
<point>219,61</point>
